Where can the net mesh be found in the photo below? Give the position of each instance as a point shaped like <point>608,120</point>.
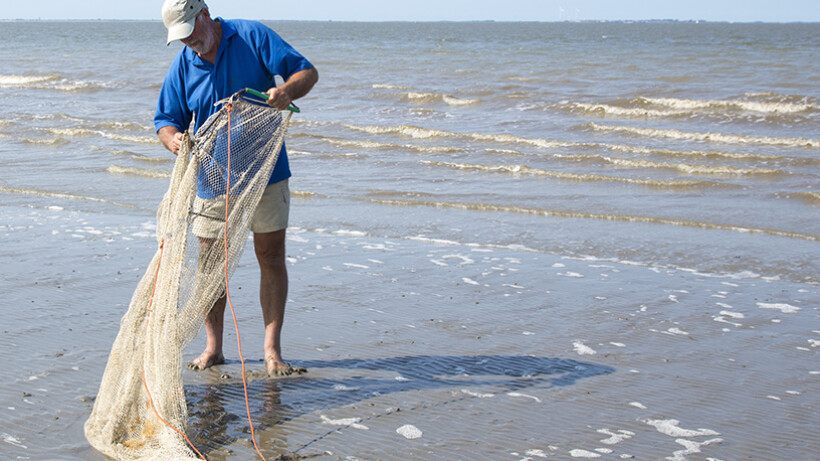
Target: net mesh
<point>232,155</point>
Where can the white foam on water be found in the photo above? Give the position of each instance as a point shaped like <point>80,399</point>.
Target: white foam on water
<point>12,440</point>
<point>814,342</point>
<point>518,394</point>
<point>638,405</point>
<point>477,394</point>
<point>750,106</point>
<point>356,266</point>
<point>570,274</point>
<point>708,137</point>
<point>387,86</point>
<point>470,281</point>
<point>670,427</point>
<point>578,453</point>
<point>734,315</point>
<point>352,422</point>
<point>690,447</point>
<point>537,453</point>
<point>583,349</point>
<point>782,307</point>
<point>676,331</point>
<point>408,431</point>
<point>605,451</point>
<point>615,437</point>
<point>350,233</point>
<point>342,387</point>
<point>618,344</point>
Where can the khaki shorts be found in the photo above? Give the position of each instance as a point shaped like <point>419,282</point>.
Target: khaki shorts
<point>271,214</point>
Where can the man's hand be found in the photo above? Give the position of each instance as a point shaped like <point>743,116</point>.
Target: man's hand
<point>298,85</point>
<point>279,98</point>
<point>171,138</point>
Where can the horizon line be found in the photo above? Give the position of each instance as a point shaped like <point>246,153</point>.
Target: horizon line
<point>657,20</point>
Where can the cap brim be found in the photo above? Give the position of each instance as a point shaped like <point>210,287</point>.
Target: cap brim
<point>181,31</point>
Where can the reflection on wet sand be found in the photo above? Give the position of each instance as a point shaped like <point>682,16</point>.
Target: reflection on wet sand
<point>218,414</point>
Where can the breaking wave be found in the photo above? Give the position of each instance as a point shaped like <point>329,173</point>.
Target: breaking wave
<point>705,137</point>
<point>585,177</point>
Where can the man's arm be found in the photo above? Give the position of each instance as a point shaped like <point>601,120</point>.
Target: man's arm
<point>170,137</point>
<point>298,85</point>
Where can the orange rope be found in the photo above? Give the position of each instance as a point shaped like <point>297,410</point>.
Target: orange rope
<point>144,381</point>
<point>228,292</point>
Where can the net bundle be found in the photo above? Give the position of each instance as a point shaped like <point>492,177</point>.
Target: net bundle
<point>140,410</point>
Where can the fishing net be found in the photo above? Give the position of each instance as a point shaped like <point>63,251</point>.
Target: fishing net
<point>140,410</point>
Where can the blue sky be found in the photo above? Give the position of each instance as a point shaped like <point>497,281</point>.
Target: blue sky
<point>434,10</point>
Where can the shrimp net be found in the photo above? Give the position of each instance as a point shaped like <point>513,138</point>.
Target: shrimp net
<point>140,410</point>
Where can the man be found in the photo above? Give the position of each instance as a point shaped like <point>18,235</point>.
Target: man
<point>220,58</point>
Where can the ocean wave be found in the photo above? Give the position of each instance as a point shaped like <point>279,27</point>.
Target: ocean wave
<point>706,137</point>
<point>484,207</point>
<point>742,105</point>
<point>81,132</point>
<point>43,141</point>
<point>580,177</point>
<point>720,170</point>
<point>385,86</point>
<point>810,197</point>
<point>144,172</point>
<point>62,195</point>
<point>426,133</point>
<point>52,82</point>
<point>386,145</point>
<point>434,97</point>
<point>606,109</point>
<point>506,139</point>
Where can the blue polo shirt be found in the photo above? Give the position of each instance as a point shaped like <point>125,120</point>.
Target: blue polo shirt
<point>250,55</point>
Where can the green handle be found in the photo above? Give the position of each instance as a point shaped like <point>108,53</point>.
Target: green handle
<point>264,96</point>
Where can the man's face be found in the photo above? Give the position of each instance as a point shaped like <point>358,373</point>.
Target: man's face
<point>203,39</point>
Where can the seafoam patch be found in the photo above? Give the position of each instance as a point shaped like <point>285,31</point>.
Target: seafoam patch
<point>518,394</point>
<point>578,453</point>
<point>782,307</point>
<point>12,440</point>
<point>477,394</point>
<point>583,349</point>
<point>409,431</point>
<point>615,437</point>
<point>670,428</point>
<point>352,422</point>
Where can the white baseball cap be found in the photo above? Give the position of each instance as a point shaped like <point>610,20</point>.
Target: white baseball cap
<point>179,17</point>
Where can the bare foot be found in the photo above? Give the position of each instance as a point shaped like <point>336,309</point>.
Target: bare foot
<point>206,360</point>
<point>277,367</point>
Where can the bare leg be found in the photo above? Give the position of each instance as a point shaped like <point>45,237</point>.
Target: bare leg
<point>273,294</point>
<point>212,355</point>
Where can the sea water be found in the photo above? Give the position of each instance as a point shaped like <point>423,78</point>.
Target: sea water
<point>521,239</point>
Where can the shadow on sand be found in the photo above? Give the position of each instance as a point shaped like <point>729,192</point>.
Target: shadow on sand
<point>217,408</point>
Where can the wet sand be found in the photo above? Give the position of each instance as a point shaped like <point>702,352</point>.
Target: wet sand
<point>421,349</point>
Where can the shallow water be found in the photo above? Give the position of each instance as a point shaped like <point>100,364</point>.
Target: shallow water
<point>522,240</point>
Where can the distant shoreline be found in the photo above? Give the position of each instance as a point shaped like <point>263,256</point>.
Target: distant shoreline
<point>589,21</point>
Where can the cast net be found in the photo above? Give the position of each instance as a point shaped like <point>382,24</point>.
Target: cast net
<point>202,228</point>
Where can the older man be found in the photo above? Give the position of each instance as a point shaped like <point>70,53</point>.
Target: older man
<point>222,57</point>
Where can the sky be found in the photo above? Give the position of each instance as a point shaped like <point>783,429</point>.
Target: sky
<point>434,10</point>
